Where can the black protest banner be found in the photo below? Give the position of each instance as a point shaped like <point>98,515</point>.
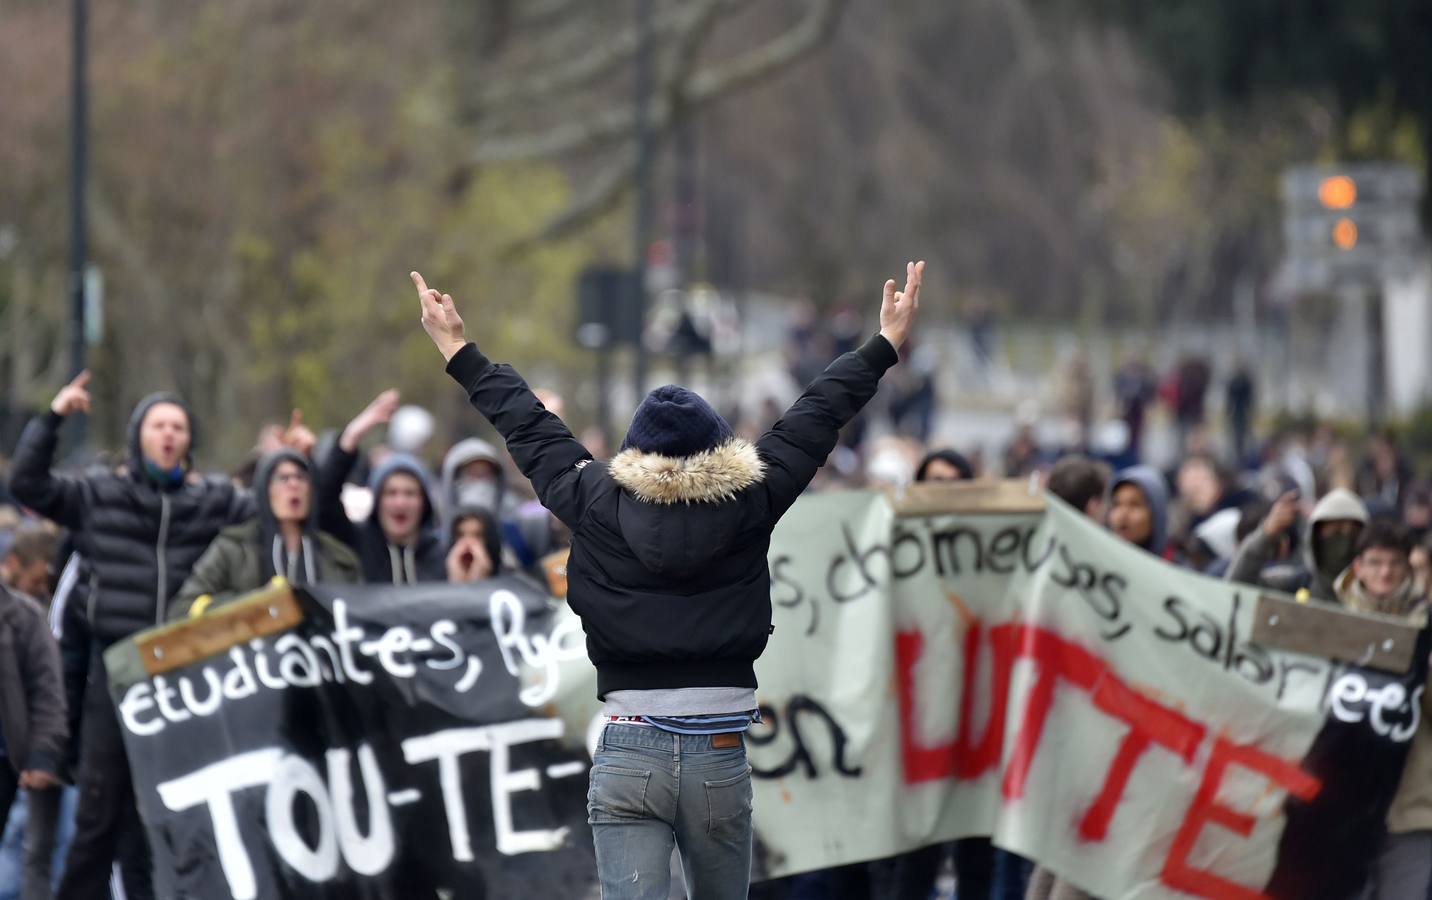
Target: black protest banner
<point>391,744</point>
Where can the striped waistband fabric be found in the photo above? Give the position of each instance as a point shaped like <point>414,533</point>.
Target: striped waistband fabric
<point>721,723</point>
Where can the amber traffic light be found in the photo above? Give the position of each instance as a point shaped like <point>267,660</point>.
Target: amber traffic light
<point>1345,234</point>
<point>1337,192</point>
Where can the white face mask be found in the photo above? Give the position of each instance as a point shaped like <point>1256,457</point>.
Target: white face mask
<point>481,493</point>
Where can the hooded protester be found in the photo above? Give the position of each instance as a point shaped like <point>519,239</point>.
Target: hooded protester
<point>1328,546</point>
<point>475,545</point>
<point>282,540</point>
<point>398,543</point>
<point>473,475</point>
<point>668,572</point>
<point>1137,510</point>
<point>141,529</point>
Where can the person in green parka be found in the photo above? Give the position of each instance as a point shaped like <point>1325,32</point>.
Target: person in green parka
<point>282,540</point>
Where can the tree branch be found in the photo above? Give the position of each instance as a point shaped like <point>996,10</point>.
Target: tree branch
<point>561,76</point>
<point>782,51</point>
<point>690,93</point>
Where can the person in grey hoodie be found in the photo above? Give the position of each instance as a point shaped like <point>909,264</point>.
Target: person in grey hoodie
<point>1137,510</point>
<point>474,476</point>
<point>399,542</point>
<point>1329,544</point>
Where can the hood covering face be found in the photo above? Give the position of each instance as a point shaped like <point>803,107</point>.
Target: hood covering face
<point>458,492</point>
<point>1339,504</point>
<point>274,557</point>
<point>1155,490</point>
<point>137,468</point>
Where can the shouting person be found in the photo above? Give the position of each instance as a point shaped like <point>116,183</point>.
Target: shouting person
<point>668,573</point>
<point>283,540</point>
<point>398,543</point>
<point>141,529</point>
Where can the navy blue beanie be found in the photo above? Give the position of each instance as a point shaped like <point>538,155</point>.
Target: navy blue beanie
<point>673,421</point>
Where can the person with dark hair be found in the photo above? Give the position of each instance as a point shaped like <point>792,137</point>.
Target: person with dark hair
<point>28,564</point>
<point>1082,483</point>
<point>141,530</point>
<point>945,465</point>
<point>668,572</point>
<point>475,545</point>
<point>1380,577</point>
<point>34,726</point>
<point>282,540</point>
<point>1380,581</point>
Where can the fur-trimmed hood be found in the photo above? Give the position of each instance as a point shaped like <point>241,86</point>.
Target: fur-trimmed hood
<point>710,477</point>
<point>680,516</point>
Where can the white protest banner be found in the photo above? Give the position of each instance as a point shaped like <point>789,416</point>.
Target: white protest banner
<point>1031,677</point>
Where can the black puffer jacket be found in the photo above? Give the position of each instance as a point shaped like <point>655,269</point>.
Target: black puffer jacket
<point>668,564</point>
<point>141,538</point>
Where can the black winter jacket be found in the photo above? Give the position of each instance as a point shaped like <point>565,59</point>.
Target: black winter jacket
<point>140,538</point>
<point>32,698</point>
<point>668,565</point>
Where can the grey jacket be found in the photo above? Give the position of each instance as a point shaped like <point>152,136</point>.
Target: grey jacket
<point>32,695</point>
<point>1253,563</point>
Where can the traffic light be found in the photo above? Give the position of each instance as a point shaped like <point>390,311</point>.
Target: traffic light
<point>1351,220</point>
<point>1337,192</point>
<point>1345,234</point>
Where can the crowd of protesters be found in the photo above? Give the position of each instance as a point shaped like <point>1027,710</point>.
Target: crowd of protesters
<point>92,555</point>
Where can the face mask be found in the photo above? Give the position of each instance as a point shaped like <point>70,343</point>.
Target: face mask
<point>1335,553</point>
<point>481,493</point>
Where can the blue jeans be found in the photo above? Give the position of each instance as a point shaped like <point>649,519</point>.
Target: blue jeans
<point>34,843</point>
<point>652,790</point>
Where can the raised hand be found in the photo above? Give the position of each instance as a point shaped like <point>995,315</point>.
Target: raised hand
<point>1283,514</point>
<point>468,561</point>
<point>73,397</point>
<point>379,412</point>
<point>898,308</point>
<point>440,318</point>
<point>299,436</point>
